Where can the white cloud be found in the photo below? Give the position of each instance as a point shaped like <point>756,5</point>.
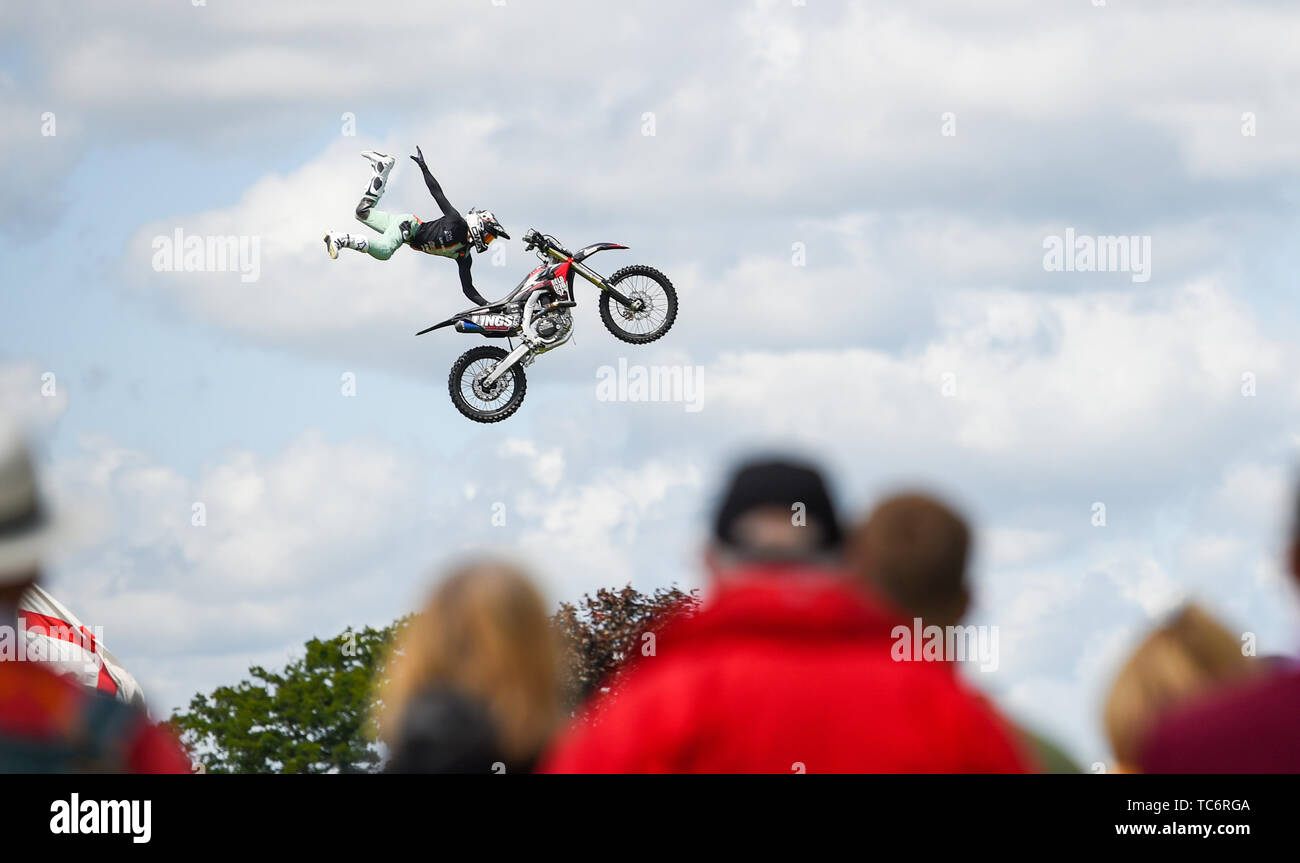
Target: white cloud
<point>545,467</point>
<point>1013,547</point>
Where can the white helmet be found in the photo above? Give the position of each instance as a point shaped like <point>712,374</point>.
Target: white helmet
<point>483,227</point>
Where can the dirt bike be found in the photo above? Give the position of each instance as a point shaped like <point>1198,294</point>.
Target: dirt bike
<point>637,305</point>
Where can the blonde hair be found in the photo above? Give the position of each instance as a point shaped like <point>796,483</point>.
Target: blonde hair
<point>1187,656</point>
<point>484,632</point>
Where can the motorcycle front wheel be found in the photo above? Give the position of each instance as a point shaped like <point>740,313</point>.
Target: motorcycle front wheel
<point>656,305</point>
<point>474,400</point>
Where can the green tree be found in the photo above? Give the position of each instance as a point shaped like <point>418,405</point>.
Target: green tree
<point>312,717</point>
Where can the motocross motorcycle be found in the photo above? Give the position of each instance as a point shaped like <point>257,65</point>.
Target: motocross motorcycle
<point>637,305</point>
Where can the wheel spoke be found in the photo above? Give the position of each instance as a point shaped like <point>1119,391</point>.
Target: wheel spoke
<point>474,394</point>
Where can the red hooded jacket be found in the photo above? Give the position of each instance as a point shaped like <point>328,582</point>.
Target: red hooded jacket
<point>786,671</point>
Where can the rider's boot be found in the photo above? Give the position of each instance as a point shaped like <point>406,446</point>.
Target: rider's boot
<point>375,188</point>
<point>379,161</point>
<point>334,242</point>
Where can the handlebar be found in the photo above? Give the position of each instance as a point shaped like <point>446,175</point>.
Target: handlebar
<point>534,240</point>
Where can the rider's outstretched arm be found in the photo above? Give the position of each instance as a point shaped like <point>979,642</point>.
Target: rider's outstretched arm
<point>434,188</point>
<point>436,191</point>
<point>467,281</point>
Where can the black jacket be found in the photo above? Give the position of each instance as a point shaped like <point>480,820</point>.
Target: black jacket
<point>447,237</point>
<point>446,731</point>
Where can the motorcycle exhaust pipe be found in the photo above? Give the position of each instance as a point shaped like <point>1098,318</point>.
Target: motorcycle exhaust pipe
<point>478,329</point>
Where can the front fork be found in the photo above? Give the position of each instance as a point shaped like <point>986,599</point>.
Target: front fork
<point>519,353</point>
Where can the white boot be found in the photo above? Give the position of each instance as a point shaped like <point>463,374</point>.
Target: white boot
<point>334,242</point>
<point>375,189</point>
<point>381,162</point>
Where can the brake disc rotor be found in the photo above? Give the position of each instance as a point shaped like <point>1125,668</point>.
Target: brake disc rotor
<point>485,393</point>
<point>640,297</point>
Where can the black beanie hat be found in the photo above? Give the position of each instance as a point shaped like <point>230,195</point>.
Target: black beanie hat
<point>777,483</point>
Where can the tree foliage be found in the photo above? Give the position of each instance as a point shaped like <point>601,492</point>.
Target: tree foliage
<point>316,715</point>
<point>603,631</point>
<point>312,717</point>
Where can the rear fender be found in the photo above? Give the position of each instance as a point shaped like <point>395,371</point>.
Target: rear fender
<point>441,324</point>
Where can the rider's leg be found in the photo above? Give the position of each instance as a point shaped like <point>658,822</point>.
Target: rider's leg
<point>375,220</point>
<point>375,187</point>
<point>392,230</point>
<point>335,241</point>
<point>391,236</point>
<point>388,226</point>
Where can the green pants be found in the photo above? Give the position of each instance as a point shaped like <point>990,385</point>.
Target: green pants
<point>389,227</point>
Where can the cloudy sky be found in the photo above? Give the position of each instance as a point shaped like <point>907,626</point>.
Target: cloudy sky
<point>852,199</point>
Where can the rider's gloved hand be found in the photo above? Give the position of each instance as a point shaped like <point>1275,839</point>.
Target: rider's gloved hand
<point>418,158</point>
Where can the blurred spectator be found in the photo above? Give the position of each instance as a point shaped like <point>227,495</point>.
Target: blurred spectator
<point>1252,728</point>
<point>473,684</point>
<point>48,722</point>
<point>912,551</point>
<point>785,667</point>
<point>1185,658</point>
<point>1190,655</point>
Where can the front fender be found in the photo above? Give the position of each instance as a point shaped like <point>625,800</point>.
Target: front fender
<point>588,251</point>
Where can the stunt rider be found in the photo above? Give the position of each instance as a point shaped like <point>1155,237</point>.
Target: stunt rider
<point>450,236</point>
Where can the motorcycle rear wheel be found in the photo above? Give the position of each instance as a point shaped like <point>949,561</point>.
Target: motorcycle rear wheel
<point>472,399</point>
